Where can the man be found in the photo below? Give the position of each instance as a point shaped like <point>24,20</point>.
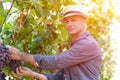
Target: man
<point>80,62</point>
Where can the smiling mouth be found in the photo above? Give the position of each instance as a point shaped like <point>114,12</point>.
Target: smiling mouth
<point>71,29</point>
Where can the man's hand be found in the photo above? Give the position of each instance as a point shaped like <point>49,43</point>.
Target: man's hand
<point>24,71</point>
<point>19,55</point>
<point>14,53</point>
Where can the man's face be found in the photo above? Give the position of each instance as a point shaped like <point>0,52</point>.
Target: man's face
<point>75,24</point>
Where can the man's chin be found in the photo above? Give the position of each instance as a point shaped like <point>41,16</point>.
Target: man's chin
<point>71,33</point>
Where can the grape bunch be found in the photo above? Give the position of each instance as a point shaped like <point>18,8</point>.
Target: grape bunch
<point>2,75</point>
<point>14,64</point>
<point>5,60</point>
<point>4,57</point>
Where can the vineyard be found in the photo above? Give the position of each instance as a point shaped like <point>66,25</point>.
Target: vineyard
<point>34,26</point>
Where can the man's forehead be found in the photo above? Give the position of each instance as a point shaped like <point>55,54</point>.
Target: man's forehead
<point>74,17</point>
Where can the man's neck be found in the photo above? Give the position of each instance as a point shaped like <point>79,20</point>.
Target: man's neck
<point>76,36</point>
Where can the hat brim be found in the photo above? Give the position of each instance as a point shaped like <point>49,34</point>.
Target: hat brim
<point>69,15</point>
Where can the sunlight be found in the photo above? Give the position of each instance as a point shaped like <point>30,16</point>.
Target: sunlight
<point>115,40</point>
<point>81,1</point>
<point>114,34</point>
<point>7,5</point>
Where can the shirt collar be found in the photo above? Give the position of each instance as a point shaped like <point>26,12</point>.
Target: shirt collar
<point>82,36</point>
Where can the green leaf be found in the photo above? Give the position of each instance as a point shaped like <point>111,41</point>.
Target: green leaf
<point>1,20</point>
<point>7,26</point>
<point>45,11</point>
<point>38,10</point>
<point>34,1</point>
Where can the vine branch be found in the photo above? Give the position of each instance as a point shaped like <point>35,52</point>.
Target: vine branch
<point>30,31</point>
<point>8,13</point>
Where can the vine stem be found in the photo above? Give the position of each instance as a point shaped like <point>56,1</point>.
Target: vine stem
<point>30,31</point>
<point>8,13</point>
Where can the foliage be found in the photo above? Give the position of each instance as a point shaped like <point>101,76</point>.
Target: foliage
<point>98,26</point>
<point>33,26</point>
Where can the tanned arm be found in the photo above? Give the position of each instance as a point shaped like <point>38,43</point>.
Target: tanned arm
<point>26,57</point>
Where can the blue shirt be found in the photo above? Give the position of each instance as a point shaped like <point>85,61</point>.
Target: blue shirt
<point>81,61</point>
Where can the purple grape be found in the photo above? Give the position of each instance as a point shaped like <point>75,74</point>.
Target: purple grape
<point>5,60</point>
<point>14,64</point>
<point>4,57</point>
<point>2,75</point>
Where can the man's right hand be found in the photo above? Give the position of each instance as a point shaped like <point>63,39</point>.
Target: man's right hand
<point>14,53</point>
<point>24,71</point>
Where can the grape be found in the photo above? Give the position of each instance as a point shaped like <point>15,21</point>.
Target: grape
<point>5,60</point>
<point>15,64</point>
<point>2,75</point>
<point>4,57</point>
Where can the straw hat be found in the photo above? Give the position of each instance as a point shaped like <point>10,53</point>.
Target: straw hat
<point>75,10</point>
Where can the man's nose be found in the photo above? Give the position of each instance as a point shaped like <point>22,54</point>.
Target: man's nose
<point>69,24</point>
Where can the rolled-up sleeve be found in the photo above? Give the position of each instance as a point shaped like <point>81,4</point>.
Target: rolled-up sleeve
<point>80,52</point>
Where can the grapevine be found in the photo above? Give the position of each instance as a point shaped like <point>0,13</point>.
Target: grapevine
<point>5,60</point>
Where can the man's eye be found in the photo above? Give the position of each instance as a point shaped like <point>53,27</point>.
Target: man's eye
<point>74,19</point>
<point>66,21</point>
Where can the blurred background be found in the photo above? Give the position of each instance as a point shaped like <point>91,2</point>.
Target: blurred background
<point>34,26</point>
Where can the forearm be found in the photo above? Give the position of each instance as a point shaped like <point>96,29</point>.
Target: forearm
<point>29,58</point>
<point>39,76</point>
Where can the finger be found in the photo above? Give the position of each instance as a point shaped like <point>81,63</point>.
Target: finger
<point>20,69</point>
<point>25,68</point>
<point>37,64</point>
<point>18,72</point>
<point>14,75</point>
